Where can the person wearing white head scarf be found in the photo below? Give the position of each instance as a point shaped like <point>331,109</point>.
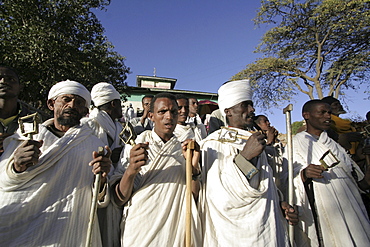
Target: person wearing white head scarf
<point>103,121</point>
<point>239,203</point>
<point>46,183</point>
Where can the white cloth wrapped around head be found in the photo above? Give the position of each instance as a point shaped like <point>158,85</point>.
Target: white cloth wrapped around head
<point>70,87</point>
<point>104,92</point>
<point>232,93</point>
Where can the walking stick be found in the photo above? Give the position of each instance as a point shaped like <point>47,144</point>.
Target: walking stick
<point>94,202</point>
<point>189,157</point>
<point>287,111</point>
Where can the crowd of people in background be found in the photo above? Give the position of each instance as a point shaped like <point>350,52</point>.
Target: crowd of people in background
<point>239,171</point>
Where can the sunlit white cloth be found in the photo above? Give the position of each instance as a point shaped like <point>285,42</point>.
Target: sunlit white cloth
<point>188,131</point>
<point>155,214</point>
<point>341,213</point>
<point>49,203</point>
<point>236,211</point>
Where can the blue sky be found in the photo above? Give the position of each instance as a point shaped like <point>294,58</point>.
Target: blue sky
<point>201,43</point>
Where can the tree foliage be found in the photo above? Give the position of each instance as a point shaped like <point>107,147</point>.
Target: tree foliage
<point>315,48</point>
<point>53,40</point>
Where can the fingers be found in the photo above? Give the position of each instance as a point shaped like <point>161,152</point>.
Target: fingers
<point>101,163</point>
<point>314,171</point>
<point>138,156</point>
<point>27,154</point>
<point>291,214</point>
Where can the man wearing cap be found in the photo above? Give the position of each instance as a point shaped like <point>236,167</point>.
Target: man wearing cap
<point>103,120</point>
<point>46,183</point>
<point>239,202</point>
<point>184,130</point>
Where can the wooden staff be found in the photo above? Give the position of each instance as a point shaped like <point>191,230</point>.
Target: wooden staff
<point>287,111</point>
<point>189,174</point>
<point>94,202</point>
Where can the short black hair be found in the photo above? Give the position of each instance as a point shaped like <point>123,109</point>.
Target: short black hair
<point>257,118</point>
<point>181,96</point>
<point>161,95</point>
<point>12,69</point>
<point>308,106</point>
<point>147,96</point>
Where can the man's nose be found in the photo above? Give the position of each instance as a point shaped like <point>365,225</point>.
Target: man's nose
<point>72,103</point>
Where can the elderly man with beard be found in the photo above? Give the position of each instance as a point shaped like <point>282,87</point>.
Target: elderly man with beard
<point>183,130</point>
<point>150,182</point>
<point>239,202</point>
<point>330,206</point>
<point>46,183</point>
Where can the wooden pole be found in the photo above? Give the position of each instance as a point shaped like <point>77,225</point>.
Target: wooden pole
<point>189,194</point>
<point>287,111</point>
<point>94,203</point>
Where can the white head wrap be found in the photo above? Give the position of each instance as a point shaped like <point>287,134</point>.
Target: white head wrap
<point>70,87</point>
<point>104,92</point>
<point>233,93</point>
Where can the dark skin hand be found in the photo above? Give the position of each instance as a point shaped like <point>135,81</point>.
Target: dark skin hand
<point>101,164</point>
<point>138,158</point>
<point>26,155</point>
<point>195,165</point>
<point>312,171</point>
<point>2,138</point>
<point>271,135</point>
<point>290,213</point>
<point>254,146</point>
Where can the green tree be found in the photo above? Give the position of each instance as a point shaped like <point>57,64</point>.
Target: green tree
<point>53,40</point>
<point>315,48</point>
<point>296,125</point>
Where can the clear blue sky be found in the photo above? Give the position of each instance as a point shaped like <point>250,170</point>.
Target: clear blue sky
<point>201,43</point>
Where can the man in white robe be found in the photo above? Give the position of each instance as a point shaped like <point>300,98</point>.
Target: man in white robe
<point>150,182</point>
<point>184,130</point>
<point>46,183</point>
<point>239,201</point>
<point>143,123</point>
<point>195,118</point>
<point>330,207</point>
<point>103,121</point>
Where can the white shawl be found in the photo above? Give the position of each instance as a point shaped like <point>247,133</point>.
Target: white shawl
<point>104,126</point>
<point>155,214</point>
<point>341,213</point>
<point>235,211</point>
<point>49,203</point>
<point>188,131</point>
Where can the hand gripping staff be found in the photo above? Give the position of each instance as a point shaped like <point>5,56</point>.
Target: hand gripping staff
<point>287,111</point>
<point>189,158</point>
<point>94,202</point>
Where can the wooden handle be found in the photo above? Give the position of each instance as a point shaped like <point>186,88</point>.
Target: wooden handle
<point>189,174</point>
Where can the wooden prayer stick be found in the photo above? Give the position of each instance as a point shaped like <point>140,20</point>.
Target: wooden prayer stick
<point>94,202</point>
<point>189,174</point>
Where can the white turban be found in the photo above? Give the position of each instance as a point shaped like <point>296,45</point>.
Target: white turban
<point>104,92</point>
<point>232,93</point>
<point>70,87</point>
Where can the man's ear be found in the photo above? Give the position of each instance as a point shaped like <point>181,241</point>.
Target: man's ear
<point>305,115</point>
<point>50,104</point>
<point>227,112</point>
<point>151,116</point>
